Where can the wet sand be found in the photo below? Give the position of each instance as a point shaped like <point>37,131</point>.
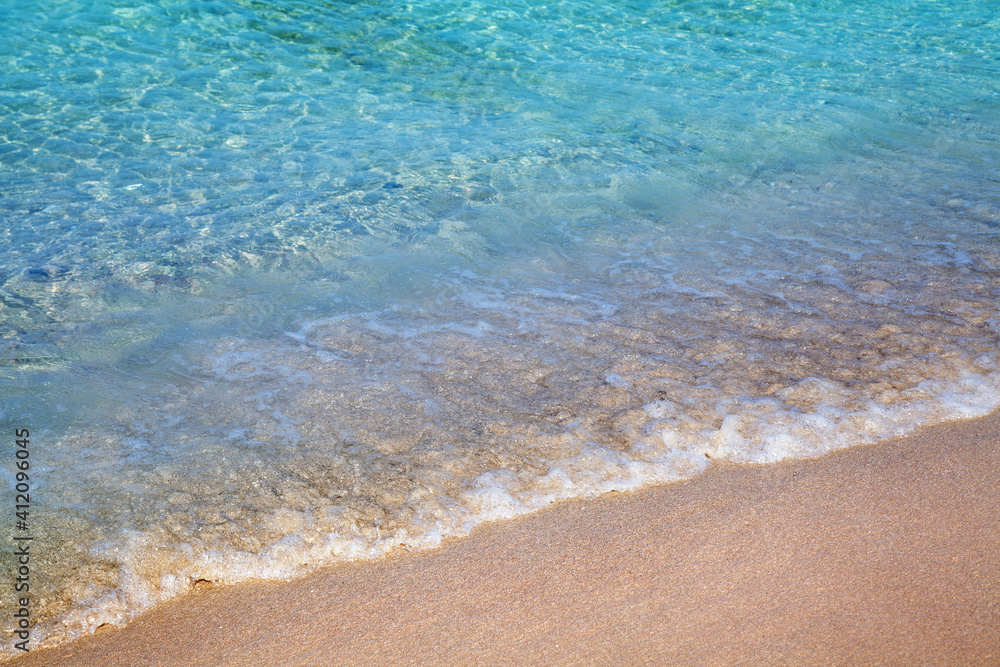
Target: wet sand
<point>887,554</point>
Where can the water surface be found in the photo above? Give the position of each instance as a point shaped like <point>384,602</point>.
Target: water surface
<point>283,284</point>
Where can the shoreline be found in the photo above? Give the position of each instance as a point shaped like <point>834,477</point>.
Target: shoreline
<point>881,554</point>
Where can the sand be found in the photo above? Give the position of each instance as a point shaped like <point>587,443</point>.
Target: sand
<point>887,554</point>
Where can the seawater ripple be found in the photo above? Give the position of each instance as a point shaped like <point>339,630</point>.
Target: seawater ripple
<point>289,283</point>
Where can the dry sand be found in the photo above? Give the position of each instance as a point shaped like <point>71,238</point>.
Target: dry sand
<point>877,555</point>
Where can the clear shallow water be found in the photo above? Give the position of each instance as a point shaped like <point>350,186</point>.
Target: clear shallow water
<point>284,284</point>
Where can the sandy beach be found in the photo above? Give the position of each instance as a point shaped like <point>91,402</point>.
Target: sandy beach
<point>289,287</point>
<point>887,554</point>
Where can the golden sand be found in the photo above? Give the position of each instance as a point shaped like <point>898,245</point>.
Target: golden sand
<point>877,555</point>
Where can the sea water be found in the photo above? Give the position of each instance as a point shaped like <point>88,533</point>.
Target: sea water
<point>290,283</point>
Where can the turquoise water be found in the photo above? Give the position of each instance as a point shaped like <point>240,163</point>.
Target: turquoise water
<point>283,284</point>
